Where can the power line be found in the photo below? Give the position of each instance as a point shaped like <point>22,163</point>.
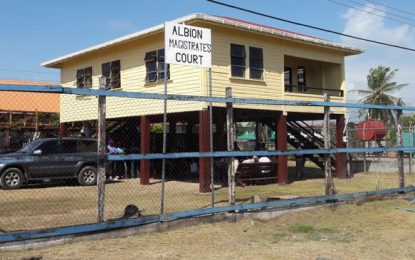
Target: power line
<point>369,12</point>
<point>382,11</point>
<point>392,8</point>
<point>311,26</point>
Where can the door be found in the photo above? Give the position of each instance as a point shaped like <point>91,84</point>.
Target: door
<point>68,162</point>
<point>45,160</point>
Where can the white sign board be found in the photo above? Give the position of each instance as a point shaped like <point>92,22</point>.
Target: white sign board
<point>187,45</point>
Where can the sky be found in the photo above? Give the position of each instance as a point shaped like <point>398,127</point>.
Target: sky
<point>34,31</point>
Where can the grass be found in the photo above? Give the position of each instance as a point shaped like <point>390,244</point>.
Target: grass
<point>302,228</point>
<point>374,230</point>
<point>37,207</point>
<point>313,233</point>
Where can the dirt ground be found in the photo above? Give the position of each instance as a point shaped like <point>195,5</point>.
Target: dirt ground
<point>373,230</point>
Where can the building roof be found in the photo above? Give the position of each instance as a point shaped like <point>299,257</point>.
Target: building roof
<point>26,101</point>
<point>219,20</point>
<point>26,82</point>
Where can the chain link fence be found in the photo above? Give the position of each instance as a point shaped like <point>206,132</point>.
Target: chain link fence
<point>258,150</point>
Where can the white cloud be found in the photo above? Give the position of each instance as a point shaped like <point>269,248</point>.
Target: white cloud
<point>373,27</point>
<point>120,25</point>
<point>367,25</point>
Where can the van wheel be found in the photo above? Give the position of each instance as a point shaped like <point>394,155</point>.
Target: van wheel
<point>87,176</point>
<point>11,178</point>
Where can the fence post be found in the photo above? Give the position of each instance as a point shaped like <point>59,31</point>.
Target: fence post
<point>411,135</point>
<point>364,146</point>
<point>329,185</point>
<point>163,165</point>
<point>400,144</point>
<point>229,137</point>
<point>212,163</point>
<point>348,156</point>
<point>101,151</point>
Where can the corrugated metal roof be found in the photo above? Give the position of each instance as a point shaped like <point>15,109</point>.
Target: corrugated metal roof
<point>227,21</point>
<point>26,101</point>
<point>26,82</point>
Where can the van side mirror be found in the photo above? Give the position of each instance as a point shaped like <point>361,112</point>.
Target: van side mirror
<point>37,152</point>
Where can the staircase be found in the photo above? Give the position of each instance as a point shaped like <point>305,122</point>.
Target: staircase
<point>117,128</point>
<point>303,136</point>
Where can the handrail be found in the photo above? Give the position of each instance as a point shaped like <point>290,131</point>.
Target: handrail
<point>289,88</point>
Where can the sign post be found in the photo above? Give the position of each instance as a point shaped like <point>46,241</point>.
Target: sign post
<point>190,46</point>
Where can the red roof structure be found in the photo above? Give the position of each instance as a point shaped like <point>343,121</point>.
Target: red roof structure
<point>26,101</point>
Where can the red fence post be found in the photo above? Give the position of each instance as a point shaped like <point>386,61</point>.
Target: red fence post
<point>204,146</point>
<point>144,149</point>
<point>281,144</point>
<point>63,130</point>
<point>340,157</point>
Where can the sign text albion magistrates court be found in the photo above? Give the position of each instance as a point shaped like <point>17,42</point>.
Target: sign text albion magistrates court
<point>187,45</point>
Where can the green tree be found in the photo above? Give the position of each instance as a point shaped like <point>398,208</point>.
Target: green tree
<point>380,86</point>
<point>408,121</point>
<point>157,129</point>
<point>239,129</point>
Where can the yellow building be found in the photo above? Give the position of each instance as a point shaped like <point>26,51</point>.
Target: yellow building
<point>256,61</point>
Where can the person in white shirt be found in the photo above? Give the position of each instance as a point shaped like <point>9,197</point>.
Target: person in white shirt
<point>264,160</point>
<point>251,160</point>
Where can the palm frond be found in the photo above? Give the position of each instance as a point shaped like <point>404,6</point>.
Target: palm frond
<point>393,86</point>
<point>380,83</point>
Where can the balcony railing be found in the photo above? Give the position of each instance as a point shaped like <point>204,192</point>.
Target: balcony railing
<point>305,89</point>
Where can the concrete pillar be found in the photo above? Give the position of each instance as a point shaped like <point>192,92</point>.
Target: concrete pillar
<point>281,145</point>
<point>204,146</point>
<point>340,157</point>
<point>144,149</point>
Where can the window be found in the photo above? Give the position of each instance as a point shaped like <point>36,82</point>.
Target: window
<point>111,71</point>
<point>49,147</point>
<point>238,60</point>
<point>160,65</point>
<point>85,146</point>
<point>151,66</point>
<point>288,80</point>
<point>301,79</point>
<point>84,78</point>
<point>256,63</point>
<point>155,66</point>
<point>68,146</point>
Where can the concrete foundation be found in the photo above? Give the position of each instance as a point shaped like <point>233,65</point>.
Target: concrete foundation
<point>380,165</point>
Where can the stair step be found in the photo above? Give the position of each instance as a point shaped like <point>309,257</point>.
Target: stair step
<point>301,133</point>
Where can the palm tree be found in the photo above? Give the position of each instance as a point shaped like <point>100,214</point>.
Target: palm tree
<point>380,87</point>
